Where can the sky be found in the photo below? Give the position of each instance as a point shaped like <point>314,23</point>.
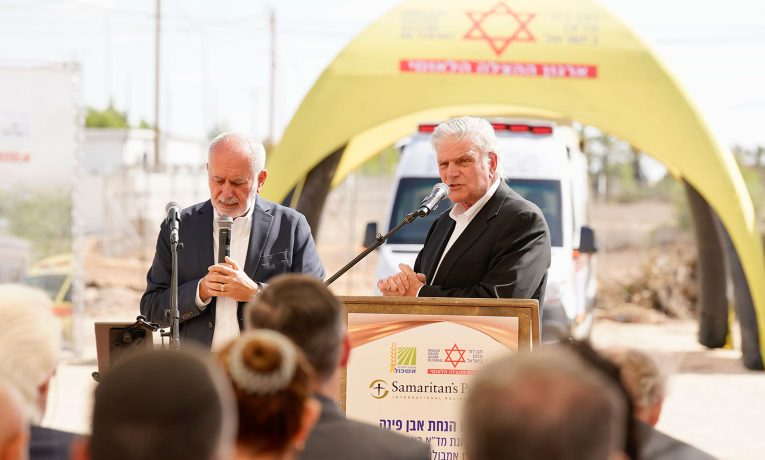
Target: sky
<point>216,54</point>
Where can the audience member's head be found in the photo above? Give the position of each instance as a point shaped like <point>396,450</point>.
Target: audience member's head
<point>159,405</point>
<point>272,383</point>
<point>14,431</point>
<point>29,345</point>
<point>304,310</point>
<point>645,382</point>
<point>546,404</point>
<point>611,372</point>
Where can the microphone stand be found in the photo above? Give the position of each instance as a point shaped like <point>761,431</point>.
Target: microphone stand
<point>379,240</point>
<point>174,334</point>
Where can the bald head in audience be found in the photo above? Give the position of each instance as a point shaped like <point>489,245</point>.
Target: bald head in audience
<point>14,432</point>
<point>546,404</point>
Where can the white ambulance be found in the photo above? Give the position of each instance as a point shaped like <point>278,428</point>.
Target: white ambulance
<point>540,160</point>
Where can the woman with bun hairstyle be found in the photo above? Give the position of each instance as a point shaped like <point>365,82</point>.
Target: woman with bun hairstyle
<point>272,384</point>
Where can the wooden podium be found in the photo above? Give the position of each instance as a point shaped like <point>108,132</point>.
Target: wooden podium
<point>526,310</point>
<point>412,359</point>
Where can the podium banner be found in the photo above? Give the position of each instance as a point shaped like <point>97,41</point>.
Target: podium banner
<point>410,372</point>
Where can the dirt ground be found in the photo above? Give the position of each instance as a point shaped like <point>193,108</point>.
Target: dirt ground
<point>713,403</point>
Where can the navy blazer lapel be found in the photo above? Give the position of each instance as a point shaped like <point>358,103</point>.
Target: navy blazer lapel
<point>440,238</point>
<point>472,232</point>
<point>262,218</point>
<point>203,234</point>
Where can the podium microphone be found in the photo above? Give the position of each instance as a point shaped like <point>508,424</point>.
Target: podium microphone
<point>224,237</point>
<point>439,192</point>
<point>173,219</point>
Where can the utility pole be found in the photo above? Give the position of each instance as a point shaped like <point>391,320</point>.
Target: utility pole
<point>157,157</point>
<point>272,99</point>
<point>108,59</point>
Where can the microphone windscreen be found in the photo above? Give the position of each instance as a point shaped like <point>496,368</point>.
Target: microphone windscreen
<point>225,222</point>
<point>170,206</point>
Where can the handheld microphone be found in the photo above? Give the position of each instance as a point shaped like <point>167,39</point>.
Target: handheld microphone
<point>224,237</point>
<point>439,192</point>
<point>173,219</point>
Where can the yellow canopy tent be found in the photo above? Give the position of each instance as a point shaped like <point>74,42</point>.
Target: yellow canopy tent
<point>433,59</point>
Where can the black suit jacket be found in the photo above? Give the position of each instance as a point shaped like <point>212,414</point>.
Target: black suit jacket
<point>280,242</point>
<point>334,437</point>
<point>655,445</point>
<point>503,252</point>
<point>49,444</point>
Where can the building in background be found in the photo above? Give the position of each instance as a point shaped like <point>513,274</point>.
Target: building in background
<point>127,193</point>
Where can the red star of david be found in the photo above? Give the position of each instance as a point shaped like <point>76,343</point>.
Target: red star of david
<point>500,43</point>
<point>449,358</point>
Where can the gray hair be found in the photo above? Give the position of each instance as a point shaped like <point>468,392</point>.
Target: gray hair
<point>29,343</point>
<point>303,309</point>
<point>477,130</point>
<point>245,143</point>
<point>645,382</point>
<point>546,404</point>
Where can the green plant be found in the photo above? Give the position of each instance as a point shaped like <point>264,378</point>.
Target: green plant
<point>107,118</point>
<point>43,217</point>
<point>383,164</point>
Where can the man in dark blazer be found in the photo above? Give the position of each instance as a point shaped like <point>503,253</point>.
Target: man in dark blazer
<point>267,239</point>
<point>492,242</point>
<point>304,310</point>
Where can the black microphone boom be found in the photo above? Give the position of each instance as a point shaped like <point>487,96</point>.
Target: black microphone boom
<point>439,192</point>
<point>224,237</point>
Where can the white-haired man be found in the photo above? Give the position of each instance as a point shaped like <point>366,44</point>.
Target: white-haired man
<point>29,346</point>
<point>266,240</point>
<point>492,243</point>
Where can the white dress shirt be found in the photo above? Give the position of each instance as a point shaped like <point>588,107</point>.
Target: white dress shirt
<point>226,321</point>
<point>463,217</point>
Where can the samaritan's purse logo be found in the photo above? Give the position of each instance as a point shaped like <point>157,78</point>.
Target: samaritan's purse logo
<point>379,388</point>
<point>500,26</point>
<point>403,360</point>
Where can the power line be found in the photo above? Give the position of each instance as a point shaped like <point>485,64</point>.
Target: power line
<point>740,38</point>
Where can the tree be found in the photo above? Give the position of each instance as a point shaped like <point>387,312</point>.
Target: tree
<point>42,216</point>
<point>615,171</point>
<point>108,118</point>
